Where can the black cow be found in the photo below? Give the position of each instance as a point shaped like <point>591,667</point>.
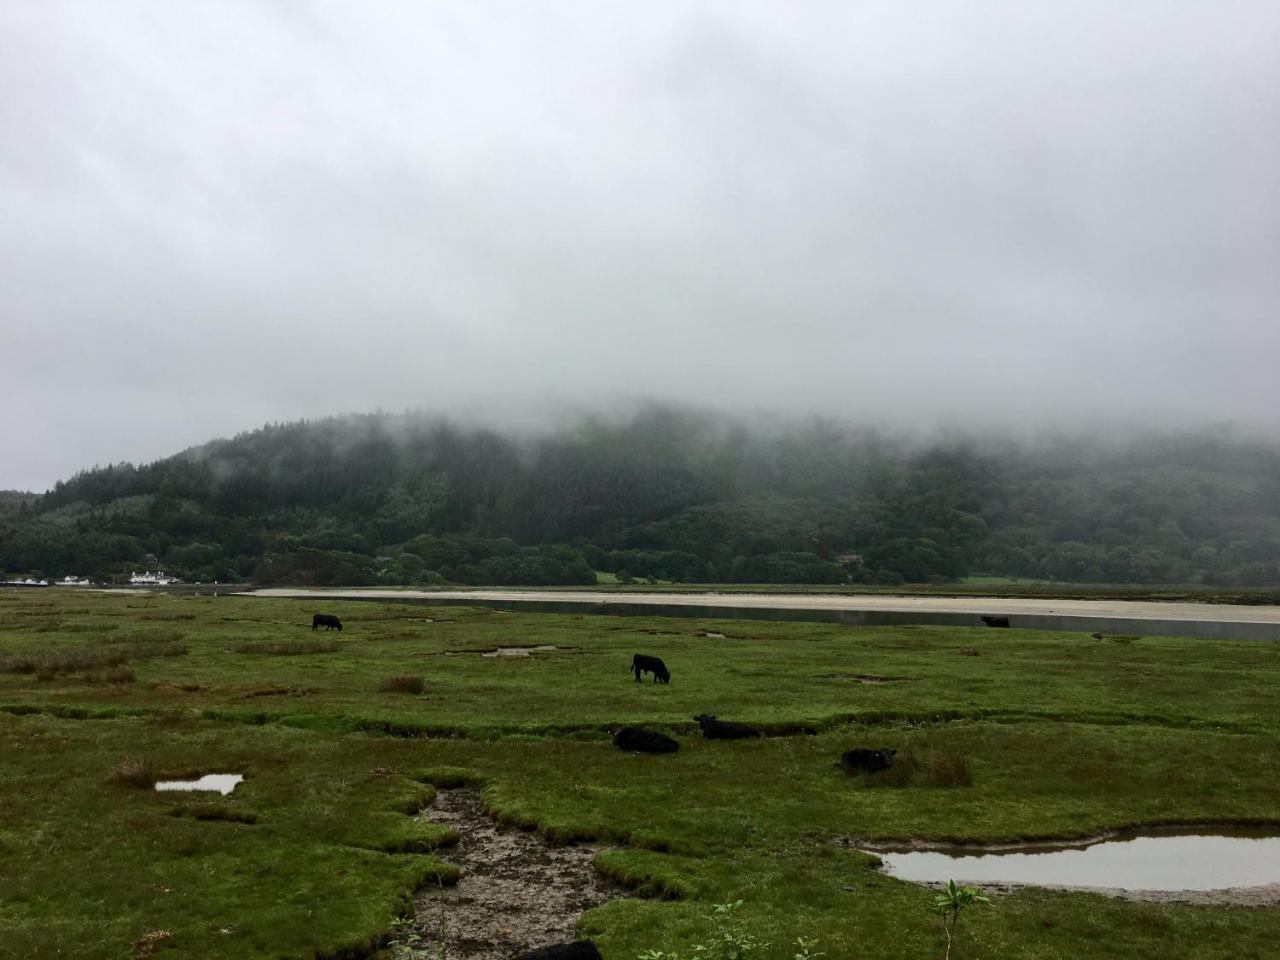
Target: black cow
<point>870,761</point>
<point>577,950</point>
<point>326,620</point>
<point>643,741</point>
<point>996,621</point>
<point>640,663</point>
<point>713,729</point>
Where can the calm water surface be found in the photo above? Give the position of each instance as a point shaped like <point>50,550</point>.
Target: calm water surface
<point>1197,862</point>
<point>223,783</point>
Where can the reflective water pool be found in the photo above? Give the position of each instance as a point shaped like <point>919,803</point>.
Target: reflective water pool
<point>223,783</point>
<point>1159,862</point>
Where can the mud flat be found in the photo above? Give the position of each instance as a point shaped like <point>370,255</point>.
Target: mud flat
<point>516,892</point>
<point>1210,621</point>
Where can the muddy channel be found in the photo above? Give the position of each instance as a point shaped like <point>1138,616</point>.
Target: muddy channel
<point>516,893</point>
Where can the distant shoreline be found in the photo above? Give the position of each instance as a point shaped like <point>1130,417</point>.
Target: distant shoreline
<point>1124,619</point>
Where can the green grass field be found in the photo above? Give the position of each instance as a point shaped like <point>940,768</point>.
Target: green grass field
<point>318,851</point>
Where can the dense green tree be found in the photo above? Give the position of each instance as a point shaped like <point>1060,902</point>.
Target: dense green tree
<point>668,495</point>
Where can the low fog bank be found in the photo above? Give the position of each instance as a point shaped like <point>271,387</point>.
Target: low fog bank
<point>666,494</point>
<point>54,443</point>
<point>526,423</point>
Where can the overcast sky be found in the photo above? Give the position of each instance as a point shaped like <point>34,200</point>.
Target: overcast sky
<point>217,214</point>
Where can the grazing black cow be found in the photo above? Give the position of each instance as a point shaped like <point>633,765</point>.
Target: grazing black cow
<point>643,741</point>
<point>326,620</point>
<point>870,761</point>
<point>996,621</point>
<point>713,729</point>
<point>577,950</point>
<point>640,663</point>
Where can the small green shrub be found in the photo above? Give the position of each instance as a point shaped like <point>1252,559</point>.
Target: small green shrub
<point>729,939</point>
<point>950,904</point>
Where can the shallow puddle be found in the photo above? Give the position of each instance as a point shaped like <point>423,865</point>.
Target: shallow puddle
<point>223,783</point>
<point>519,651</point>
<point>1168,862</point>
<point>868,678</point>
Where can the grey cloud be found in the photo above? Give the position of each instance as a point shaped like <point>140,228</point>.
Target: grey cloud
<point>1030,216</point>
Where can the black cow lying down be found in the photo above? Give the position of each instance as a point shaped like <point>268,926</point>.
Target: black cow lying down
<point>713,729</point>
<point>326,620</point>
<point>641,663</point>
<point>643,741</point>
<point>996,621</point>
<point>869,761</point>
<point>577,950</point>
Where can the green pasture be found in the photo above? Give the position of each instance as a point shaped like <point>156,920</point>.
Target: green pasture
<point>320,848</point>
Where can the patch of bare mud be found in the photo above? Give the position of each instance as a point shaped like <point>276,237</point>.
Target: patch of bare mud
<point>281,691</point>
<point>516,892</point>
<point>519,651</point>
<point>868,678</point>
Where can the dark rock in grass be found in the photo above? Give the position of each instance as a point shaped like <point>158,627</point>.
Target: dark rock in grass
<point>868,761</point>
<point>713,729</point>
<point>577,950</point>
<point>643,741</point>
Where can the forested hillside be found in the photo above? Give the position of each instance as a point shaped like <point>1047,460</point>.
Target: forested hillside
<point>668,494</point>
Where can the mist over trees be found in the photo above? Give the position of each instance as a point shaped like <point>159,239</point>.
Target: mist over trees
<point>666,494</point>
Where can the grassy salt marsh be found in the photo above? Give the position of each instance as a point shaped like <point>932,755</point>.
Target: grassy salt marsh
<point>318,850</point>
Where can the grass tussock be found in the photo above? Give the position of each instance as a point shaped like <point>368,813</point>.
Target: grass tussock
<point>151,637</point>
<point>280,691</point>
<point>149,649</point>
<point>135,772</point>
<point>289,648</point>
<point>52,663</point>
<point>116,675</point>
<point>57,627</point>
<point>450,778</point>
<point>402,684</point>
<point>49,664</point>
<point>215,811</point>
<point>914,767</point>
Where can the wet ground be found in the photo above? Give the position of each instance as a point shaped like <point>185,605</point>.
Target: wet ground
<point>516,893</point>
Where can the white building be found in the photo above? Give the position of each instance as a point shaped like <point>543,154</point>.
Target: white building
<point>149,579</point>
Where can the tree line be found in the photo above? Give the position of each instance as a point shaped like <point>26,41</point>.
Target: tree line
<point>665,495</point>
